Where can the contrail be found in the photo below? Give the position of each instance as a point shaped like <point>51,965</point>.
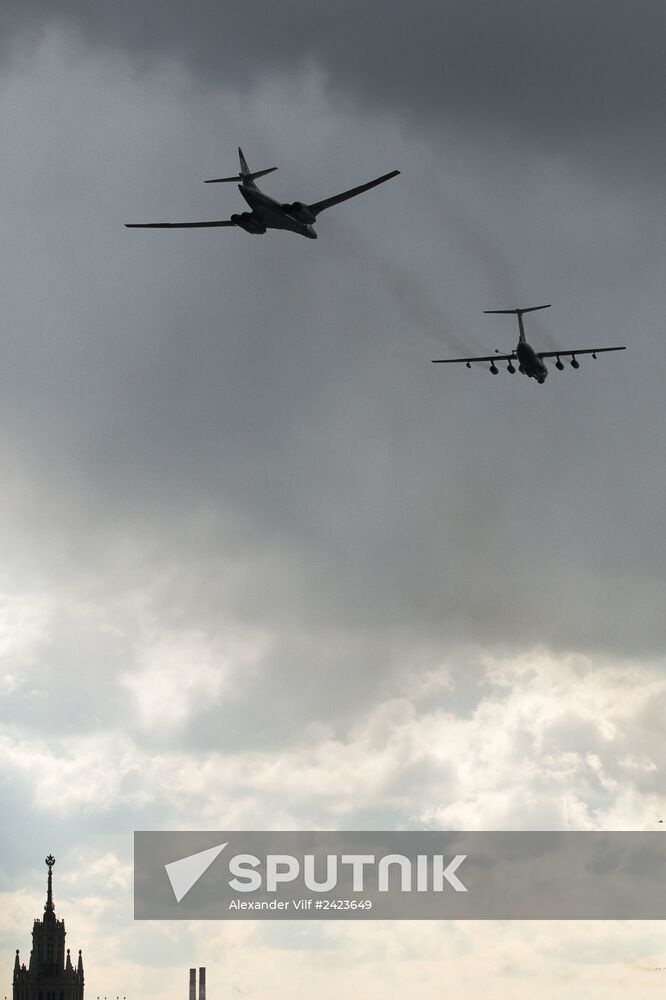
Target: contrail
<point>409,295</point>
<point>479,245</point>
<point>476,243</point>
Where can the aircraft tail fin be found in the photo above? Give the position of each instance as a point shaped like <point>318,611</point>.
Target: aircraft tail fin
<point>519,314</point>
<point>246,176</point>
<point>244,169</point>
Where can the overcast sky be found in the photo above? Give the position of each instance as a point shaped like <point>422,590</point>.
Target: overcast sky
<point>263,565</point>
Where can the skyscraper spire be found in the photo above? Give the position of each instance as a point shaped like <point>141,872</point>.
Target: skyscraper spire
<point>51,974</point>
<point>49,908</point>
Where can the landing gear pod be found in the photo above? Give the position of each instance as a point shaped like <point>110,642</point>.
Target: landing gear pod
<point>248,222</point>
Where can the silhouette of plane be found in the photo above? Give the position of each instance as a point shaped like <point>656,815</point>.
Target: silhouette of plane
<point>296,217</point>
<point>530,362</point>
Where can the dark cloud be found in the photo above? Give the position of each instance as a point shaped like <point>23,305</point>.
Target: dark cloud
<point>585,78</point>
<point>256,423</point>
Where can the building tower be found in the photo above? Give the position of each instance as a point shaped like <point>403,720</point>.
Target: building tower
<point>50,974</point>
<point>202,983</point>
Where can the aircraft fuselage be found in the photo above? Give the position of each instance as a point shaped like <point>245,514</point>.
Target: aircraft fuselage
<point>272,213</point>
<point>530,363</point>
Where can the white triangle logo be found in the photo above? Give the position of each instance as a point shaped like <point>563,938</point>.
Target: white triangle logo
<point>185,872</point>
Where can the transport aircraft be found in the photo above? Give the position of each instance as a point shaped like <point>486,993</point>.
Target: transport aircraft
<point>266,212</point>
<point>530,362</point>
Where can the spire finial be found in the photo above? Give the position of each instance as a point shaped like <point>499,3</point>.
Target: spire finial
<point>50,861</point>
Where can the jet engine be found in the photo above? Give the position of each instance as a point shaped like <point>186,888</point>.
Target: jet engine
<point>301,213</point>
<point>574,363</point>
<point>249,223</point>
<point>559,365</point>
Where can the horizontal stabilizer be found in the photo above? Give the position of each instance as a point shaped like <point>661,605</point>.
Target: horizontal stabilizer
<point>516,312</point>
<point>241,177</point>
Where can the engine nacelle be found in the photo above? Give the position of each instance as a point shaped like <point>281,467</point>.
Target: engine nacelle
<point>249,223</point>
<point>494,369</point>
<point>574,363</point>
<point>559,365</point>
<point>297,210</point>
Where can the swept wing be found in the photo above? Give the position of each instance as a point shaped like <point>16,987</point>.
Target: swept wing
<point>468,361</point>
<point>570,354</point>
<point>319,206</point>
<point>177,225</point>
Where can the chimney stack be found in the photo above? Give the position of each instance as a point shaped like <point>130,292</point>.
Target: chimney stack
<point>202,982</point>
<point>193,984</point>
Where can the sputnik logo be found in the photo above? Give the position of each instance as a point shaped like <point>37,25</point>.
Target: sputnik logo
<point>186,872</point>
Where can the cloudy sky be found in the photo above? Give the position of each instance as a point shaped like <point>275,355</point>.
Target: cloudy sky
<point>263,565</point>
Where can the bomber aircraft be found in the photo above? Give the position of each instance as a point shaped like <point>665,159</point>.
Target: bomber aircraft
<point>267,213</point>
<point>530,362</point>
